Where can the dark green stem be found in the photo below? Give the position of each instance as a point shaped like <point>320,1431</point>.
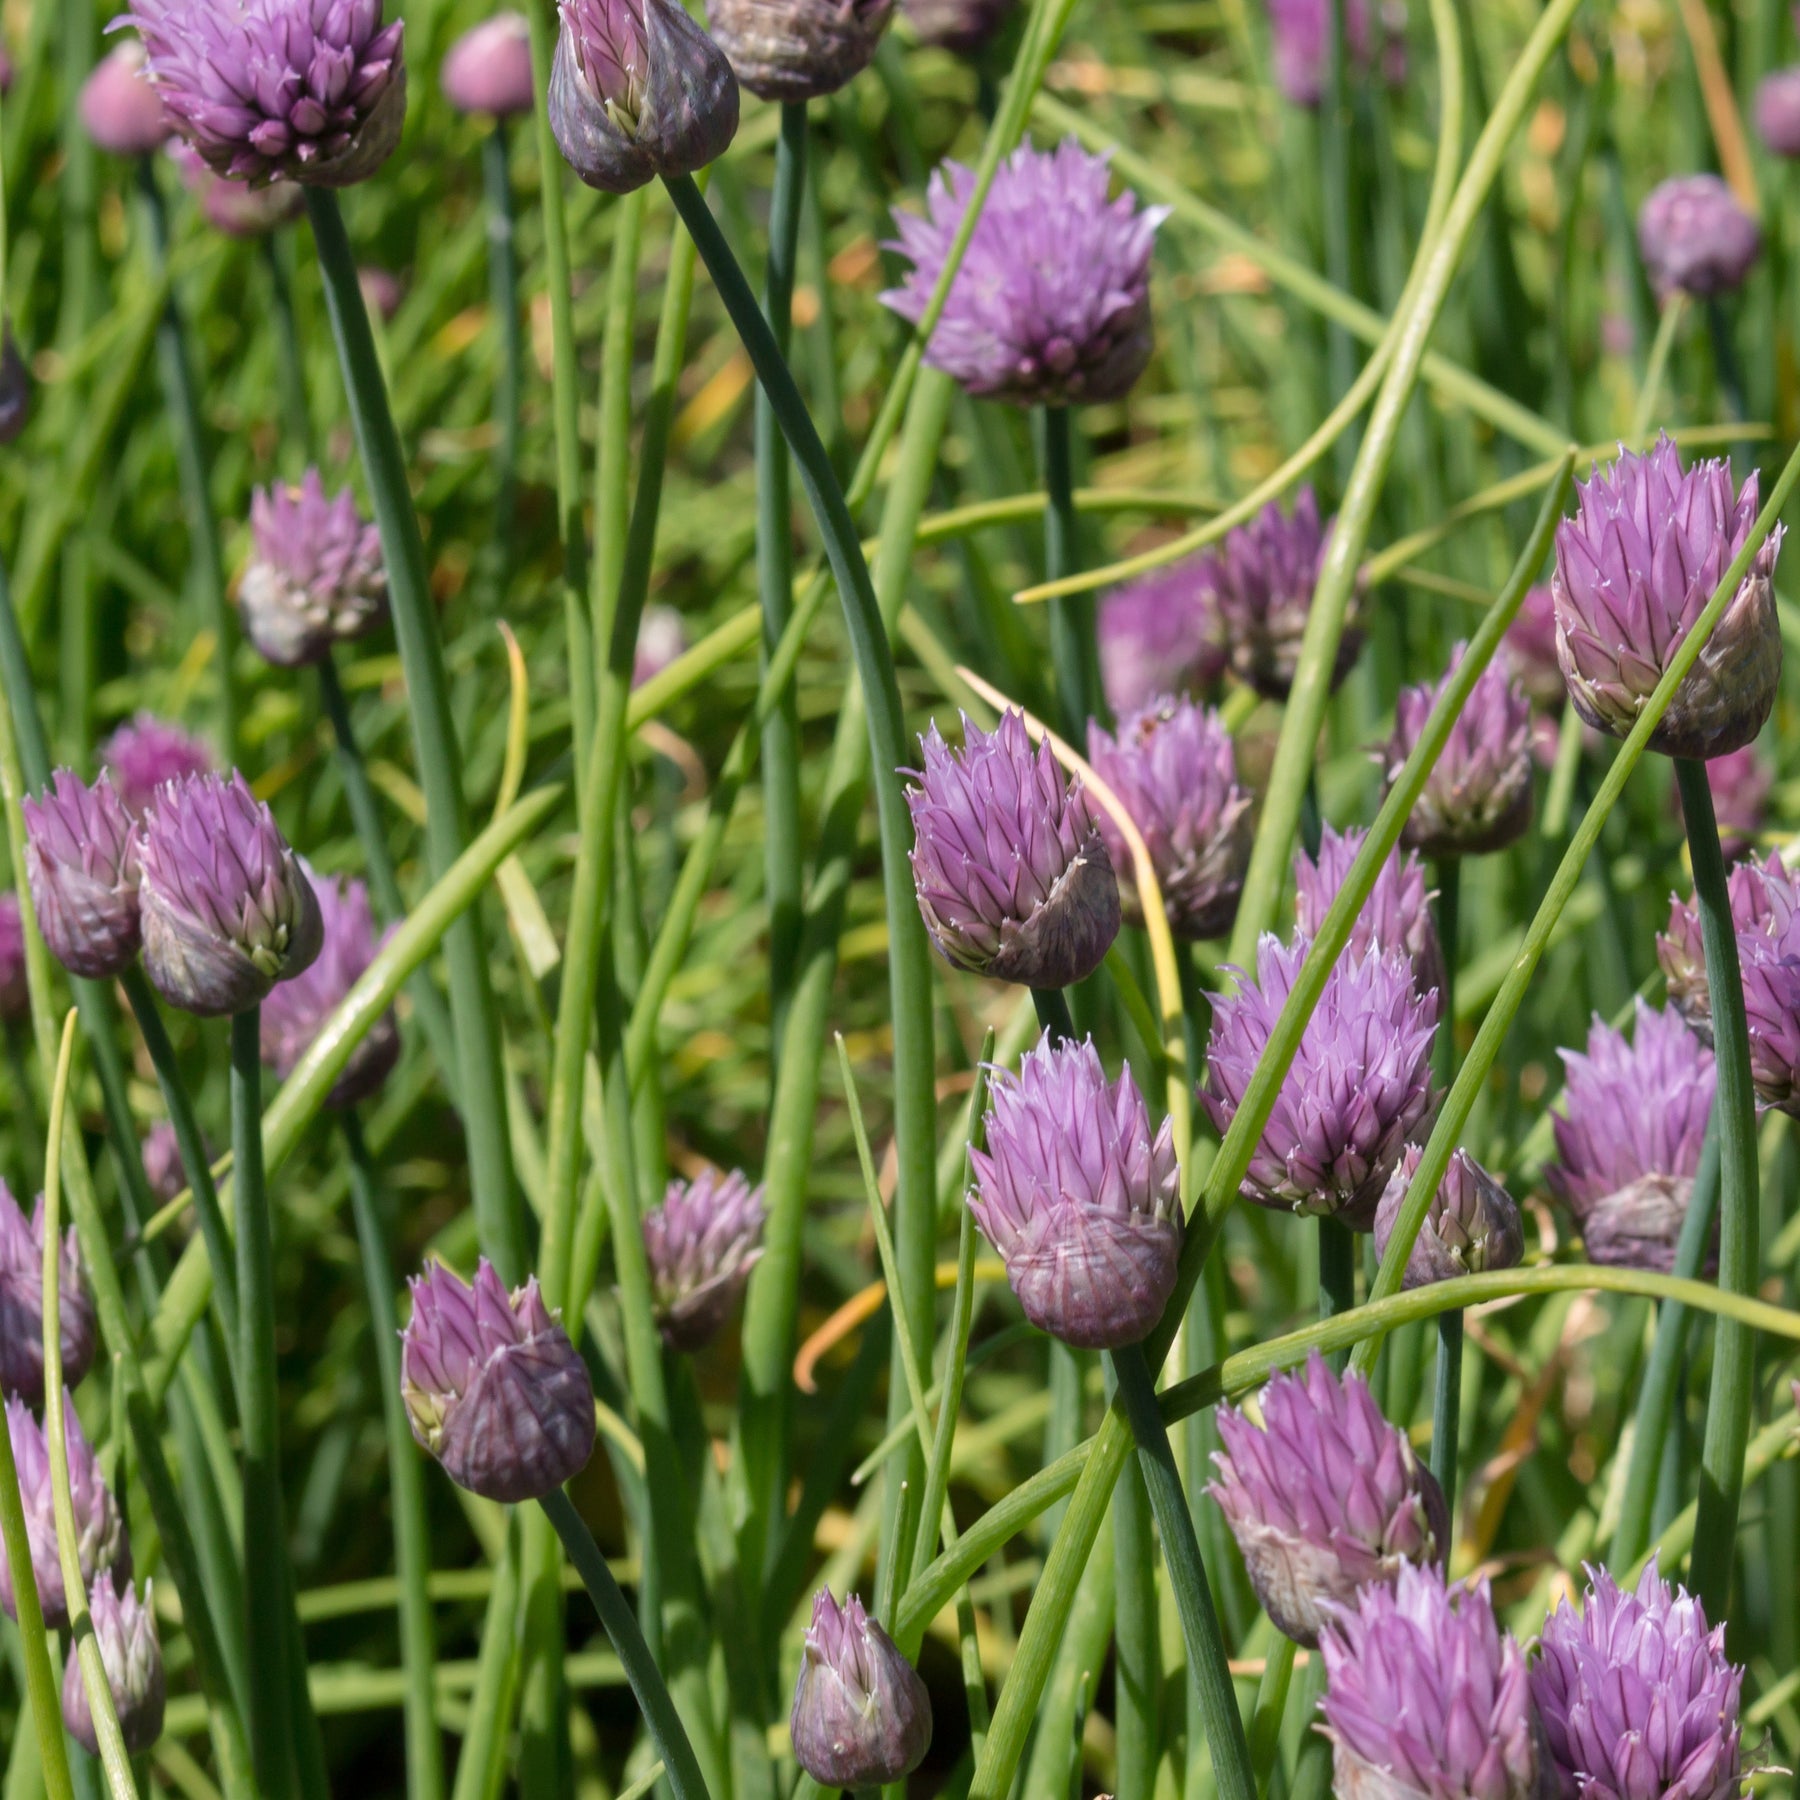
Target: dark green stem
<point>290,364</point>
<point>782,860</point>
<point>1337,1274</point>
<point>1336,191</point>
<point>503,297</point>
<point>1074,654</point>
<point>1446,1407</point>
<point>1053,1014</point>
<point>621,1626</point>
<point>481,1090</point>
<point>1187,1575</point>
<point>1734,1345</point>
<point>183,401</point>
<point>412,1531</point>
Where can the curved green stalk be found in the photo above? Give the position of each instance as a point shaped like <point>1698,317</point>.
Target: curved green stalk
<point>503,299</point>
<point>1073,652</point>
<point>1734,1107</point>
<point>480,1088</point>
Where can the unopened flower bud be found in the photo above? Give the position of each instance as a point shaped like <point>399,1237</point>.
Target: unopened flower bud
<point>966,27</point>
<point>1161,635</point>
<point>125,1630</point>
<point>1395,916</point>
<point>488,69</point>
<point>1471,1225</point>
<point>82,863</point>
<point>315,577</point>
<point>797,49</point>
<point>861,1715</point>
<point>702,1243</point>
<point>493,1387</point>
<point>119,108</point>
<point>227,908</point>
<point>1696,238</point>
<point>1778,112</point>
<point>637,90</point>
<point>22,1303</point>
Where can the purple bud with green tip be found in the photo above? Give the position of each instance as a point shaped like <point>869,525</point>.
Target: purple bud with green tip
<point>1013,876</point>
<point>1324,1496</point>
<point>796,50</point>
<point>861,1715</point>
<point>1637,1697</point>
<point>1472,1223</point>
<point>1358,1090</point>
<point>227,908</point>
<point>1051,303</point>
<point>1395,916</point>
<point>147,751</point>
<point>702,1243</point>
<point>22,1303</point>
<point>1696,238</point>
<point>102,1544</point>
<point>312,91</point>
<point>638,90</point>
<point>81,860</point>
<point>1477,797</point>
<point>1173,767</point>
<point>125,1630</point>
<point>1161,635</point>
<point>1426,1698</point>
<point>1629,1147</point>
<point>488,69</point>
<point>493,1387</point>
<point>1079,1197</point>
<point>1635,569</point>
<point>297,1009</point>
<point>315,576</point>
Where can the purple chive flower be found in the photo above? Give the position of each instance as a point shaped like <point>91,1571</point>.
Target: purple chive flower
<point>15,386</point>
<point>1740,783</point>
<point>1051,305</point>
<point>119,108</point>
<point>1299,27</point>
<point>1695,237</point>
<point>1472,1223</point>
<point>797,49</point>
<point>81,861</point>
<point>861,1716</point>
<point>381,291</point>
<point>661,638</point>
<point>638,90</point>
<point>1358,1090</point>
<point>147,751</point>
<point>1425,1696</point>
<point>296,1009</point>
<point>1630,1146</point>
<point>101,1540</point>
<point>1637,1697</point>
<point>1173,767</point>
<point>1081,1201</point>
<point>1161,635</point>
<point>1778,112</point>
<point>15,993</point>
<point>22,1303</point>
<point>964,26</point>
<point>1396,915</point>
<point>1265,575</point>
<point>702,1242</point>
<point>234,207</point>
<point>125,1629</point>
<point>1529,648</point>
<point>227,908</point>
<point>315,576</point>
<point>1635,568</point>
<point>312,91</point>
<point>163,1167</point>
<point>1478,795</point>
<point>493,1387</point>
<point>1013,875</point>
<point>488,69</point>
<point>1323,1495</point>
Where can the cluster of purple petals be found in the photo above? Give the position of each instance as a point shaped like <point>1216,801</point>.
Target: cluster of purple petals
<point>1778,111</point>
<point>315,576</point>
<point>861,1716</point>
<point>119,107</point>
<point>1529,648</point>
<point>1357,1092</point>
<point>1161,635</point>
<point>1079,1197</point>
<point>1324,1496</point>
<point>1741,782</point>
<point>1637,1697</point>
<point>1472,1223</point>
<point>1051,304</point>
<point>1173,767</point>
<point>145,752</point>
<point>1299,31</point>
<point>1013,876</point>
<point>125,1629</point>
<point>305,90</point>
<point>1696,238</point>
<point>1395,916</point>
<point>1629,1145</point>
<point>234,207</point>
<point>702,1243</point>
<point>1635,568</point>
<point>488,69</point>
<point>22,1303</point>
<point>81,862</point>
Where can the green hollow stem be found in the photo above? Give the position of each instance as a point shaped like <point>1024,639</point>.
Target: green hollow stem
<point>290,363</point>
<point>1053,1014</point>
<point>1337,190</point>
<point>1207,1656</point>
<point>1446,1405</point>
<point>1337,1270</point>
<point>782,859</point>
<point>1660,1393</point>
<point>1734,1347</point>
<point>195,1162</point>
<point>1074,654</point>
<point>481,1089</point>
<point>406,1485</point>
<point>384,882</point>
<point>503,299</point>
<point>182,398</point>
<point>268,1719</point>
